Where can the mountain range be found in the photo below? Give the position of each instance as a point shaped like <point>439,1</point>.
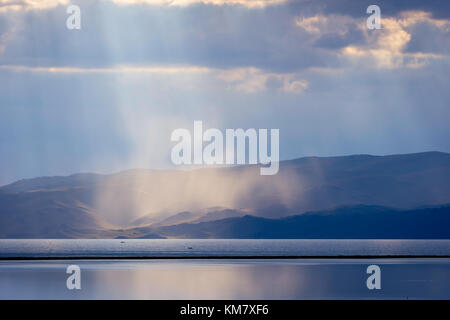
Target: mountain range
<point>357,196</point>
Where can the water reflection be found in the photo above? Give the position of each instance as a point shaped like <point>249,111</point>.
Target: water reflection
<point>226,279</point>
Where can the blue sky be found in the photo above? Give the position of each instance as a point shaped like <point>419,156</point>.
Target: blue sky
<point>106,98</point>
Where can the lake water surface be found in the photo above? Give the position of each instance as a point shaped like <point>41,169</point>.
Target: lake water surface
<point>108,273</point>
<point>220,248</point>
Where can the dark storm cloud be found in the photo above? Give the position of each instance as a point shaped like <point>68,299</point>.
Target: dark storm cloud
<point>429,38</point>
<point>206,35</point>
<point>357,8</point>
<point>213,36</point>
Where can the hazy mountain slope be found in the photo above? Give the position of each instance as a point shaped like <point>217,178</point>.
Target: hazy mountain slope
<point>47,215</point>
<point>209,214</point>
<point>181,217</point>
<point>359,222</point>
<point>403,181</point>
<point>91,201</point>
<point>221,214</point>
<point>53,183</point>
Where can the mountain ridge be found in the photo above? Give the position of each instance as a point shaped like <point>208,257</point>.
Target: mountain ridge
<point>388,224</point>
<point>99,205</point>
<point>86,175</point>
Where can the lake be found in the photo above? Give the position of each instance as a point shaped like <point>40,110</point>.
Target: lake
<point>108,272</point>
<point>220,248</point>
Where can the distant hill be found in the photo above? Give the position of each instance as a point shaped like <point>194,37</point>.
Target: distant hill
<point>135,203</point>
<point>358,222</point>
<point>47,215</point>
<point>53,183</point>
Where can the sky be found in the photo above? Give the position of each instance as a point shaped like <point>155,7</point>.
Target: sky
<point>106,97</point>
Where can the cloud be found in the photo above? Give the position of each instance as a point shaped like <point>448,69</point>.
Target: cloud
<point>249,80</point>
<point>389,8</point>
<point>209,36</point>
<point>16,5</point>
<point>410,18</point>
<point>118,69</point>
<point>386,48</point>
<point>253,80</point>
<point>246,3</point>
<point>321,24</point>
<point>278,39</point>
<point>349,38</point>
